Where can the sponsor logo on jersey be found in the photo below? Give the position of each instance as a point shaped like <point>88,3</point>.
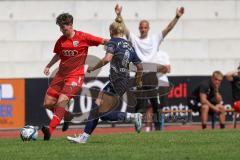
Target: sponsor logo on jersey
<point>70,53</point>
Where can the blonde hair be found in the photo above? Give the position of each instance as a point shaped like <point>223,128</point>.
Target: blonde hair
<point>117,27</point>
<point>217,74</point>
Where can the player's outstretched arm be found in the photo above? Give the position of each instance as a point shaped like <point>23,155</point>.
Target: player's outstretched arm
<point>118,11</point>
<point>105,41</point>
<point>179,13</point>
<point>103,62</point>
<point>229,75</point>
<point>50,64</point>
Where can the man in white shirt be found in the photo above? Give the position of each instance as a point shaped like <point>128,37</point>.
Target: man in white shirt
<point>147,47</point>
<point>162,58</point>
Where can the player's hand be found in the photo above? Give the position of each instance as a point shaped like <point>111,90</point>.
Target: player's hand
<point>180,11</point>
<point>118,9</point>
<point>217,110</point>
<point>218,96</point>
<point>90,69</point>
<point>46,71</point>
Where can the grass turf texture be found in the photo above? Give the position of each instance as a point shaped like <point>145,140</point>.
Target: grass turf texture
<point>207,145</point>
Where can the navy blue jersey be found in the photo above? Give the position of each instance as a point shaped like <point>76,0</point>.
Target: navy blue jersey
<point>123,55</point>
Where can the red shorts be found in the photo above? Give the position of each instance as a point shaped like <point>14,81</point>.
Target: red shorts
<point>69,86</point>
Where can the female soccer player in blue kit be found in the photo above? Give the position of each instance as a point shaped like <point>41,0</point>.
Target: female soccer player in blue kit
<point>119,53</point>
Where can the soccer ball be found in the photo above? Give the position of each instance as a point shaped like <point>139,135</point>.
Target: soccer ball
<point>28,133</point>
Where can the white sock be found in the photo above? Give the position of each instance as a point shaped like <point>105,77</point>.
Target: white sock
<point>130,116</point>
<point>85,135</point>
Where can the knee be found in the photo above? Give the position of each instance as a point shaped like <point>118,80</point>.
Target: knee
<point>62,100</point>
<point>49,104</point>
<point>204,108</point>
<point>221,108</point>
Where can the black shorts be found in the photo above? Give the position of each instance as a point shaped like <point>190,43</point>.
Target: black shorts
<point>195,105</point>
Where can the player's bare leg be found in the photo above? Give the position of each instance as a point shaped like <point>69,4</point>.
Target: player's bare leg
<point>49,102</point>
<point>91,123</point>
<point>149,117</point>
<point>104,108</point>
<point>67,117</point>
<point>59,111</point>
<point>221,115</point>
<point>204,115</point>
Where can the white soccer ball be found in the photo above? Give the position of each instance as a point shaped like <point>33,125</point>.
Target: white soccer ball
<point>28,133</point>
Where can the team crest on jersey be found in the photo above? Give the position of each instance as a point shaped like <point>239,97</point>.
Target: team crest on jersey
<point>75,43</point>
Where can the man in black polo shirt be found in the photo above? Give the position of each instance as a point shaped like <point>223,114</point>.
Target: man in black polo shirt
<point>234,78</point>
<point>207,98</point>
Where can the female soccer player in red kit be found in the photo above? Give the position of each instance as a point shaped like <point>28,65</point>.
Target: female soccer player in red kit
<point>71,49</point>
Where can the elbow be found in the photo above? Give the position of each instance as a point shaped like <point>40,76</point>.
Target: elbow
<point>203,102</point>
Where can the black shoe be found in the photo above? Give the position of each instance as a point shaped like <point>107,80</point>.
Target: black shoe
<point>67,121</point>
<point>46,133</point>
<point>65,126</point>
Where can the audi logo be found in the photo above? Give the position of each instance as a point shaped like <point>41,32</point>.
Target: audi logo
<point>69,52</point>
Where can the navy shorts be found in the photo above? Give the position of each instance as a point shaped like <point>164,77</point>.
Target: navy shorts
<point>116,87</point>
<point>108,89</point>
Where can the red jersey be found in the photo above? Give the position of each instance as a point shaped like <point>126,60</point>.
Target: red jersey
<point>73,52</point>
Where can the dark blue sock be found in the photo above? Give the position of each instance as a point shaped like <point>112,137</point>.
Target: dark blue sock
<point>92,120</point>
<point>114,116</point>
<point>90,126</point>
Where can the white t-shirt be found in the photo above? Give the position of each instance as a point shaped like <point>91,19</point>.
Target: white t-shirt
<point>162,58</point>
<point>148,51</point>
<point>146,48</point>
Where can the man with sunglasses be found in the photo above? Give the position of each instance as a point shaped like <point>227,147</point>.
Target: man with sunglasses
<point>207,98</point>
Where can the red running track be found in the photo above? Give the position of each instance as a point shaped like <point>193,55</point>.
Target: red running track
<point>103,131</point>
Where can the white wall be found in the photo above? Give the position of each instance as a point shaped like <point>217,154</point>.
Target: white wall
<point>205,39</point>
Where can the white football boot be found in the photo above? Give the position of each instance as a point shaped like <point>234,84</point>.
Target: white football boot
<point>82,138</point>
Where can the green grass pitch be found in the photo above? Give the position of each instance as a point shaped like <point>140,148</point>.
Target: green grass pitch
<point>179,145</point>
